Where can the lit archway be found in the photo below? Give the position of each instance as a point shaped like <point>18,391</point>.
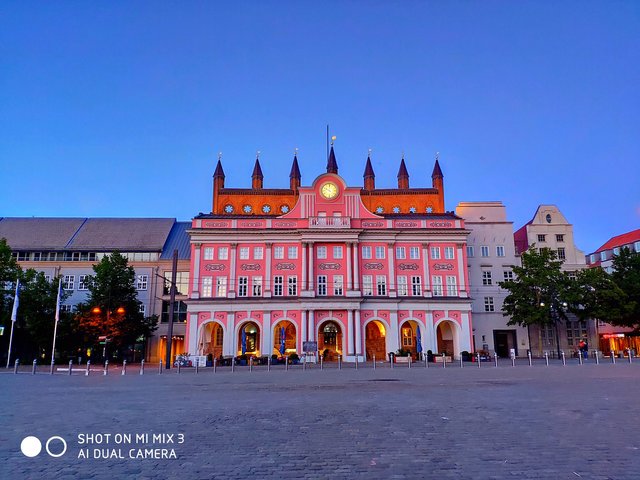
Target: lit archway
<point>290,338</point>
<point>409,337</point>
<point>212,339</point>
<point>330,340</point>
<point>249,339</point>
<point>375,340</point>
<point>447,338</point>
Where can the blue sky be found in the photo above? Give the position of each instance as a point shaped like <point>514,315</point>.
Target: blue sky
<point>120,108</point>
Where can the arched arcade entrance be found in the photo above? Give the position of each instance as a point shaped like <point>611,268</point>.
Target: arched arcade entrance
<point>375,340</point>
<point>447,338</point>
<point>284,330</point>
<point>249,339</point>
<point>330,340</point>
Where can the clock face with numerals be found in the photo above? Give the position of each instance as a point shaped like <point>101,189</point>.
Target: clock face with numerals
<point>329,190</point>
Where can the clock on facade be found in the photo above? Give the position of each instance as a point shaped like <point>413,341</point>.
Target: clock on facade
<point>329,190</point>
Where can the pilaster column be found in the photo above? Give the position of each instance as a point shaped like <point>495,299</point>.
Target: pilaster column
<point>233,277</point>
<point>462,287</point>
<point>193,334</point>
<point>393,331</point>
<point>304,335</point>
<point>310,256</point>
<point>195,281</point>
<point>427,275</point>
<point>392,269</point>
<point>267,274</point>
<point>349,259</point>
<point>229,338</point>
<point>356,268</point>
<point>356,322</point>
<point>351,333</point>
<point>304,282</point>
<point>267,342</point>
<point>312,326</point>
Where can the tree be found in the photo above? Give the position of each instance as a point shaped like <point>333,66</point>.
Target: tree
<point>9,271</point>
<point>113,309</point>
<point>594,294</point>
<point>625,311</point>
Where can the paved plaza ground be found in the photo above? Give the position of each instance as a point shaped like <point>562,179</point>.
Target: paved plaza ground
<point>573,422</point>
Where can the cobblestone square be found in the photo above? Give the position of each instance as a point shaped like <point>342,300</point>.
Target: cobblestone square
<point>443,423</point>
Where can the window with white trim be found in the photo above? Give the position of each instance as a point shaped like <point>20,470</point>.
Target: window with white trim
<point>452,286</point>
<point>143,309</point>
<point>367,285</point>
<point>278,253</point>
<point>508,275</point>
<point>338,284</point>
<point>469,251</point>
<point>66,308</point>
<point>381,285</point>
<point>561,253</point>
<point>292,253</point>
<point>208,253</point>
<point>292,285</point>
<point>416,285</point>
<point>366,252</point>
<point>488,304</point>
<point>448,253</point>
<point>337,252</point>
<point>278,285</point>
<point>256,290</point>
<point>207,285</point>
<point>435,253</point>
<point>82,282</point>
<point>401,253</point>
<point>487,277</point>
<point>559,237</point>
<point>484,251</point>
<point>68,282</point>
<point>322,285</point>
<point>223,253</point>
<point>258,253</point>
<point>403,290</point>
<point>244,253</point>
<point>541,238</point>
<point>436,282</point>
<point>243,286</point>
<point>321,252</point>
<point>616,250</point>
<point>141,282</point>
<point>636,246</point>
<point>500,251</point>
<point>221,287</point>
<point>380,252</point>
<point>414,253</point>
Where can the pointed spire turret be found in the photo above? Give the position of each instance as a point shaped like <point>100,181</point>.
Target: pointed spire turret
<point>218,183</point>
<point>437,172</point>
<point>219,172</point>
<point>257,177</point>
<point>369,175</point>
<point>437,180</point>
<point>332,165</point>
<point>403,175</point>
<point>294,175</point>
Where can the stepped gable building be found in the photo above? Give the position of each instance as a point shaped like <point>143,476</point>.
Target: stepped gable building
<point>348,271</point>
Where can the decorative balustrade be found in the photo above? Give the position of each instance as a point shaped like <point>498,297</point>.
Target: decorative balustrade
<point>329,222</point>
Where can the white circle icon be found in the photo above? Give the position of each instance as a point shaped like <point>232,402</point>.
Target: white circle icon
<point>31,446</point>
<point>64,447</point>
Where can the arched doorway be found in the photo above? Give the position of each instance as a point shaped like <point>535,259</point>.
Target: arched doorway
<point>249,339</point>
<point>376,341</point>
<point>409,337</point>
<point>289,336</point>
<point>330,340</point>
<point>446,338</point>
<point>213,339</point>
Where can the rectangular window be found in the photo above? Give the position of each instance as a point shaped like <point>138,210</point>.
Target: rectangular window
<point>448,253</point>
<point>572,275</point>
<point>367,285</point>
<point>414,253</point>
<point>244,253</point>
<point>207,284</point>
<point>548,335</point>
<point>636,246</point>
<point>487,278</point>
<point>65,308</point>
<point>48,278</point>
<point>366,253</point>
<point>82,282</point>
<point>322,252</point>
<point>559,237</point>
<point>436,281</point>
<point>221,287</point>
<point>508,275</point>
<point>292,285</point>
<point>256,283</point>
<point>435,253</point>
<point>68,283</point>
<point>616,250</point>
<point>141,282</point>
<point>322,285</point>
<point>278,253</point>
<point>258,253</point>
<point>541,238</point>
<point>592,257</point>
<point>416,286</point>
<point>381,285</point>
<point>500,251</point>
<point>380,252</point>
<point>484,251</point>
<point>143,309</point>
<point>401,253</point>
<point>576,331</point>
<point>561,254</point>
<point>469,251</point>
<point>223,253</point>
<point>452,286</point>
<point>292,253</point>
<point>603,256</point>
<point>277,285</point>
<point>208,253</point>
<point>182,283</point>
<point>338,284</point>
<point>488,304</point>
<point>403,290</point>
<point>243,284</point>
<point>337,252</point>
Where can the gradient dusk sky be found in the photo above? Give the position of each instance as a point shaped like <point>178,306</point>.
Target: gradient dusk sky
<point>120,108</point>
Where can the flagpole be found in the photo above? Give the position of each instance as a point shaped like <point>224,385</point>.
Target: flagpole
<point>14,316</point>
<point>55,326</point>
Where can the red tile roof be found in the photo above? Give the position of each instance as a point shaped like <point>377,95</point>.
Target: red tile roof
<point>620,240</point>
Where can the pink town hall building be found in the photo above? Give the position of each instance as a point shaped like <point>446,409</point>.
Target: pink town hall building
<point>357,271</point>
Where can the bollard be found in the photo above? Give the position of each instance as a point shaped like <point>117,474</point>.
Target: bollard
<point>286,364</point>
<point>142,367</point>
<point>444,361</point>
<point>105,372</point>
<point>70,366</point>
<point>197,366</point>
<point>513,360</point>
<point>124,368</point>
<point>546,358</point>
<point>426,361</point>
<point>233,364</point>
<point>478,357</point>
<point>630,355</point>
<point>461,364</point>
<point>15,366</point>
<point>33,370</point>
<point>495,359</point>
<point>613,358</point>
<point>579,357</point>
<point>268,364</point>
<point>215,365</point>
<point>88,370</point>
<point>409,362</point>
<point>321,362</point>
<point>356,362</point>
<point>339,362</point>
<point>374,362</point>
<point>595,354</point>
<point>530,361</point>
<point>250,364</point>
<point>160,368</point>
<point>391,360</point>
<point>564,359</point>
<point>304,363</point>
<point>179,363</point>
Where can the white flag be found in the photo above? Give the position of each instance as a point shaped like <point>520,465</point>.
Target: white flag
<point>16,302</point>
<point>58,301</point>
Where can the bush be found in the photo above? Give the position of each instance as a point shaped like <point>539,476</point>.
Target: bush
<point>294,357</point>
<point>403,353</point>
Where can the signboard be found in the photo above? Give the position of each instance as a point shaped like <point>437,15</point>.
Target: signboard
<point>1,330</point>
<point>310,347</point>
